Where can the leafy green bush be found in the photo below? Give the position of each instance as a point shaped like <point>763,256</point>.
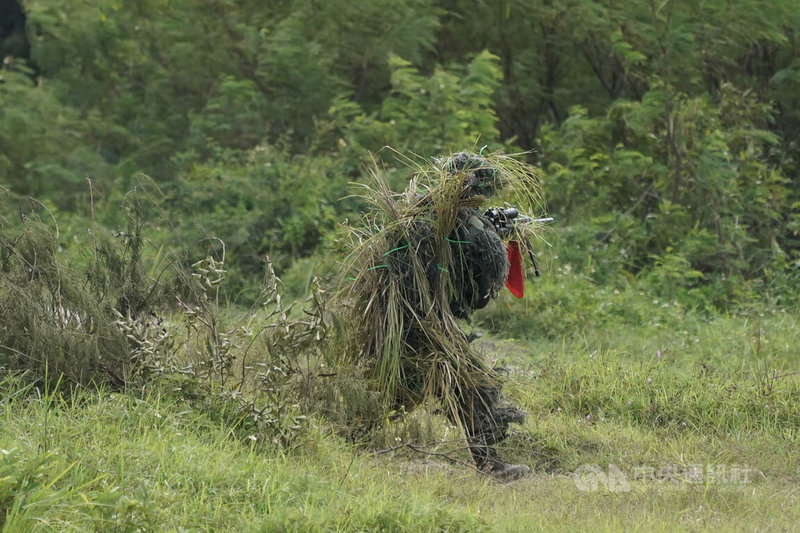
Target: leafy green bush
<point>260,203</point>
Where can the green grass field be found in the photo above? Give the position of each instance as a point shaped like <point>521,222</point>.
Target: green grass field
<point>703,437</point>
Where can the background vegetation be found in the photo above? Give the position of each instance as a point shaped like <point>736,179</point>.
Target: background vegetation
<point>172,146</point>
<point>666,130</point>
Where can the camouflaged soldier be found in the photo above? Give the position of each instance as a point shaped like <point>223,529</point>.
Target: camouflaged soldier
<point>420,261</point>
<point>478,272</point>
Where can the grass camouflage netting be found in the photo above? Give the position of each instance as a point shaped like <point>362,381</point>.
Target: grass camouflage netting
<point>411,274</point>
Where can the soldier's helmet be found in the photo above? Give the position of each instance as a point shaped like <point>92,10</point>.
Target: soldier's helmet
<point>481,178</point>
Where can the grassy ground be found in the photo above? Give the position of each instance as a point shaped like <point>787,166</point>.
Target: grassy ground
<point>702,437</point>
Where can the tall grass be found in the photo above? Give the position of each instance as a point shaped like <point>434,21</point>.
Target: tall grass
<point>96,460</point>
<point>101,461</point>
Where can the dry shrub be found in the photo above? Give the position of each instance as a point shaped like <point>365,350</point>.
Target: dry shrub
<point>58,318</point>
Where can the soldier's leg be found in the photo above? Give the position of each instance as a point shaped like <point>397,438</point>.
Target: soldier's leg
<point>486,423</point>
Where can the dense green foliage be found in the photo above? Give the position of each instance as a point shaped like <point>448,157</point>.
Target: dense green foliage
<point>666,130</point>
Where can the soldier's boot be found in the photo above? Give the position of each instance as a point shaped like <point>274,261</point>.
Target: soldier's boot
<point>507,471</point>
<point>508,414</point>
<point>488,461</point>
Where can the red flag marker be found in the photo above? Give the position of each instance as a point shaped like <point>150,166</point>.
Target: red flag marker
<point>516,279</point>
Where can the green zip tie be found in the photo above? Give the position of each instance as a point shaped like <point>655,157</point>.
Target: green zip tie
<point>440,267</point>
<point>448,239</point>
<point>378,266</point>
<point>482,149</point>
<point>395,249</point>
<point>351,279</point>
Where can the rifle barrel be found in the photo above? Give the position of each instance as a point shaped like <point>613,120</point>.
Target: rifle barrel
<point>528,220</point>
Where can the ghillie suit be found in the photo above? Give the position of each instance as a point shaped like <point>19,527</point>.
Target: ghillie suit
<point>422,260</point>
